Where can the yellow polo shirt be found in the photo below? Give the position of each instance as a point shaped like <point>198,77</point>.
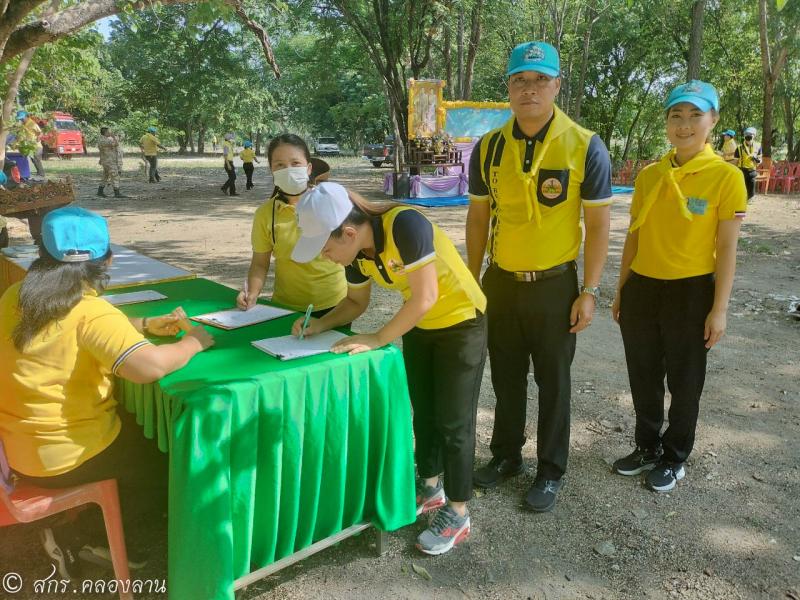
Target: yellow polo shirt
<point>149,143</point>
<point>563,167</point>
<point>749,155</point>
<point>247,155</point>
<point>228,151</point>
<point>672,246</point>
<point>729,149</point>
<point>57,409</point>
<point>319,282</point>
<point>406,241</point>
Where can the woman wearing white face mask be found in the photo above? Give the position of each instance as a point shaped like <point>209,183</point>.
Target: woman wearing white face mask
<point>319,282</point>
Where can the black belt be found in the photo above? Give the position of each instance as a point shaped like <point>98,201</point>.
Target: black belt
<point>532,276</point>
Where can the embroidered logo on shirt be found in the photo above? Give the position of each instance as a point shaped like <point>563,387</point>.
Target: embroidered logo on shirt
<point>551,188</point>
<point>534,53</point>
<point>696,206</point>
<point>396,267</point>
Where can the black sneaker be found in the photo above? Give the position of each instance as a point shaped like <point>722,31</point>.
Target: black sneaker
<point>497,471</point>
<point>101,556</point>
<point>62,551</point>
<point>638,461</point>
<point>665,475</point>
<point>542,495</point>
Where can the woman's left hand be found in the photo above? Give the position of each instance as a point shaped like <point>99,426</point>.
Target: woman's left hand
<point>716,322</point>
<point>167,325</point>
<point>356,344</point>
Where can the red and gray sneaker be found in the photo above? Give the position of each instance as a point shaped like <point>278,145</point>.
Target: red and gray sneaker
<point>447,529</point>
<point>429,497</point>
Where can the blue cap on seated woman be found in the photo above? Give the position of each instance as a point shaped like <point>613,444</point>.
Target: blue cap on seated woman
<point>74,234</point>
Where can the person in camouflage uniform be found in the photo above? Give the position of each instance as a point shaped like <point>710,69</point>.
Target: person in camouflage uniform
<point>111,161</point>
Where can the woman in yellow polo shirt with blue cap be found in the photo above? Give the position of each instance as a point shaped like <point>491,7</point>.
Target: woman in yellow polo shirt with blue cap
<point>675,281</point>
<point>441,322</point>
<point>61,344</point>
<point>318,282</point>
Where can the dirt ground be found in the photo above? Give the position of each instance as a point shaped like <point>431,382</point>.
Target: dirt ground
<point>730,530</point>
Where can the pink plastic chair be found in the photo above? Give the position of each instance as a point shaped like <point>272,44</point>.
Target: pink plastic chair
<point>22,503</point>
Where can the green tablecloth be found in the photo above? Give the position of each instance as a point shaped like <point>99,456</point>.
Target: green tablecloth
<point>267,457</point>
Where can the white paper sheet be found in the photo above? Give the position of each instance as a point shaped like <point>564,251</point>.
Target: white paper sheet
<point>288,347</point>
<point>235,318</point>
<point>133,297</point>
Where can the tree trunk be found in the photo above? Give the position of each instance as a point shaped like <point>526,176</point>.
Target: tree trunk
<point>591,19</point>
<point>472,51</point>
<point>460,52</point>
<point>258,142</point>
<point>190,136</point>
<point>14,79</point>
<point>771,72</point>
<point>635,121</point>
<point>447,57</point>
<point>201,140</point>
<point>696,41</point>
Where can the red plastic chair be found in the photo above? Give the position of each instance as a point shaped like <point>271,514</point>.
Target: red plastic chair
<point>22,503</point>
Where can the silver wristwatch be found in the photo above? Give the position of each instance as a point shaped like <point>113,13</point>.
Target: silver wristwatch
<point>594,291</point>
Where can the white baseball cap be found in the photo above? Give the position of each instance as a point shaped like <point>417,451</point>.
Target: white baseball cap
<point>319,212</point>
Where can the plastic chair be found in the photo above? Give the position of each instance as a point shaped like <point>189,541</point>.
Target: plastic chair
<point>22,503</point>
<point>765,175</point>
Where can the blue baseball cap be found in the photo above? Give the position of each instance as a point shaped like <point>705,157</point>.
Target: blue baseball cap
<point>74,234</point>
<point>248,144</point>
<point>151,129</point>
<point>729,132</point>
<point>703,95</point>
<point>21,114</point>
<point>534,56</point>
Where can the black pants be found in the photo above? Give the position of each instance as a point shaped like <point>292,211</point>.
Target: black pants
<point>154,176</point>
<point>530,320</point>
<point>445,368</point>
<point>141,471</point>
<point>230,185</point>
<point>662,324</point>
<point>248,170</point>
<point>749,181</point>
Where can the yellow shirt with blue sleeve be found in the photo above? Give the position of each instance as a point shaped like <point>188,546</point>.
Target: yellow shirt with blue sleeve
<point>535,187</point>
<point>672,246</point>
<point>57,408</point>
<point>406,241</point>
<point>319,282</point>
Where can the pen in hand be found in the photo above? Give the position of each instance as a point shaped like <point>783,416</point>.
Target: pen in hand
<point>305,321</point>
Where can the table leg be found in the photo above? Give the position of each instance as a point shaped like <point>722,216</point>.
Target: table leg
<point>381,541</point>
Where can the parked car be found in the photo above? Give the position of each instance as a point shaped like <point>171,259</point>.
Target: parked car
<point>326,146</point>
<point>61,135</point>
<point>380,154</point>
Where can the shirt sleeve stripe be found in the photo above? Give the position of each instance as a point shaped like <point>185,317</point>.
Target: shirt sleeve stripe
<point>474,198</point>
<point>361,284</point>
<point>126,354</point>
<point>421,262</point>
<point>598,201</point>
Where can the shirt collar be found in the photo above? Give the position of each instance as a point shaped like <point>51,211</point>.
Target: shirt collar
<point>538,137</point>
<point>378,236</point>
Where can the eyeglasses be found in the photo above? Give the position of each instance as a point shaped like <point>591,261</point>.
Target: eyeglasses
<point>519,83</point>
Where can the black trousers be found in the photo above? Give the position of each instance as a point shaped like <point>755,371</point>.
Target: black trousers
<point>749,181</point>
<point>141,471</point>
<point>662,324</point>
<point>530,320</point>
<point>248,170</point>
<point>154,176</point>
<point>445,368</point>
<point>230,185</point>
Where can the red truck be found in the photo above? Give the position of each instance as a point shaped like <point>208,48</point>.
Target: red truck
<point>61,135</point>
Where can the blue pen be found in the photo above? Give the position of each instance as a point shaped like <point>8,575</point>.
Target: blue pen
<point>305,321</point>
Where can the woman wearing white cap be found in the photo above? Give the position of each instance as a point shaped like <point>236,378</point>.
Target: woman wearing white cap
<point>228,154</point>
<point>441,323</point>
<point>749,155</point>
<point>675,282</point>
<point>61,345</point>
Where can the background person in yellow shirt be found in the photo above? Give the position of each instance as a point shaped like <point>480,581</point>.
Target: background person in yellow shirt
<point>248,156</point>
<point>319,282</point>
<point>675,281</point>
<point>30,131</point>
<point>749,155</point>
<point>228,154</point>
<point>61,344</point>
<point>150,144</point>
<point>729,146</point>
<point>442,325</point>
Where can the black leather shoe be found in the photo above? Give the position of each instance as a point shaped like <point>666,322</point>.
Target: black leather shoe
<point>497,471</point>
<point>542,495</point>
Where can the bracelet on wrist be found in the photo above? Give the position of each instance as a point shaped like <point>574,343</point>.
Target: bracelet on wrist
<point>144,324</point>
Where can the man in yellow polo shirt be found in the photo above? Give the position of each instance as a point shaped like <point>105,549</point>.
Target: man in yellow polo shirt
<point>749,155</point>
<point>150,145</point>
<point>528,182</point>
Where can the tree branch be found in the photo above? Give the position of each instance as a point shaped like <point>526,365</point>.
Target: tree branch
<point>260,33</point>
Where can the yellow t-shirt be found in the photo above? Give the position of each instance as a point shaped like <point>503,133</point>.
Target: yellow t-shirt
<point>536,188</point>
<point>57,408</point>
<point>319,282</point>
<point>672,246</point>
<point>247,155</point>
<point>406,241</point>
<point>228,151</point>
<point>149,143</point>
<point>729,149</point>
<point>31,131</point>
